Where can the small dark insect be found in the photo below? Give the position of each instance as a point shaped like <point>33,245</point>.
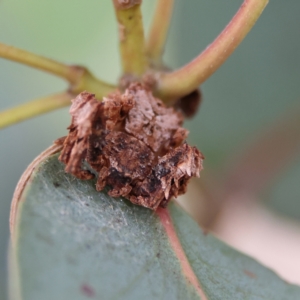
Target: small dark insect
<point>134,142</point>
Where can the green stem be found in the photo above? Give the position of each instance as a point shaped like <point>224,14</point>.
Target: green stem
<point>183,81</point>
<point>159,30</point>
<point>38,62</point>
<point>34,108</point>
<point>131,37</point>
<point>79,78</point>
<point>86,81</point>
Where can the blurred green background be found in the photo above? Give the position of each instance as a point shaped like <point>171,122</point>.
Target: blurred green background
<point>256,85</point>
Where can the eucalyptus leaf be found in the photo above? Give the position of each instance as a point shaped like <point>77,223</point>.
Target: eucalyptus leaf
<point>71,242</point>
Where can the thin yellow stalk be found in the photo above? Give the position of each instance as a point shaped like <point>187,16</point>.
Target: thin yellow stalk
<point>38,62</point>
<point>131,37</point>
<point>33,108</point>
<point>79,78</point>
<point>86,81</point>
<point>183,81</point>
<point>159,30</point>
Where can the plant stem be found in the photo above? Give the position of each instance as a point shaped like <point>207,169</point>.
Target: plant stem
<point>34,108</point>
<point>131,37</point>
<point>183,81</point>
<point>159,30</point>
<point>79,78</point>
<point>39,62</point>
<point>86,81</point>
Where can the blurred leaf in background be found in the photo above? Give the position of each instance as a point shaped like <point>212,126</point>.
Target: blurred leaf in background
<point>257,84</point>
<point>255,88</point>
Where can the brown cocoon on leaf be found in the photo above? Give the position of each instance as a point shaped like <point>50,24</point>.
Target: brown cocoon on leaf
<point>134,142</point>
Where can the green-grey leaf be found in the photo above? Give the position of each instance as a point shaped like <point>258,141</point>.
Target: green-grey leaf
<point>72,242</point>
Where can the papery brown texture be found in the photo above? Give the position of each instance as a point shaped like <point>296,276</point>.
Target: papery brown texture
<point>135,144</point>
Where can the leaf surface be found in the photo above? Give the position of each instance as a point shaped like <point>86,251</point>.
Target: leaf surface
<point>71,242</point>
